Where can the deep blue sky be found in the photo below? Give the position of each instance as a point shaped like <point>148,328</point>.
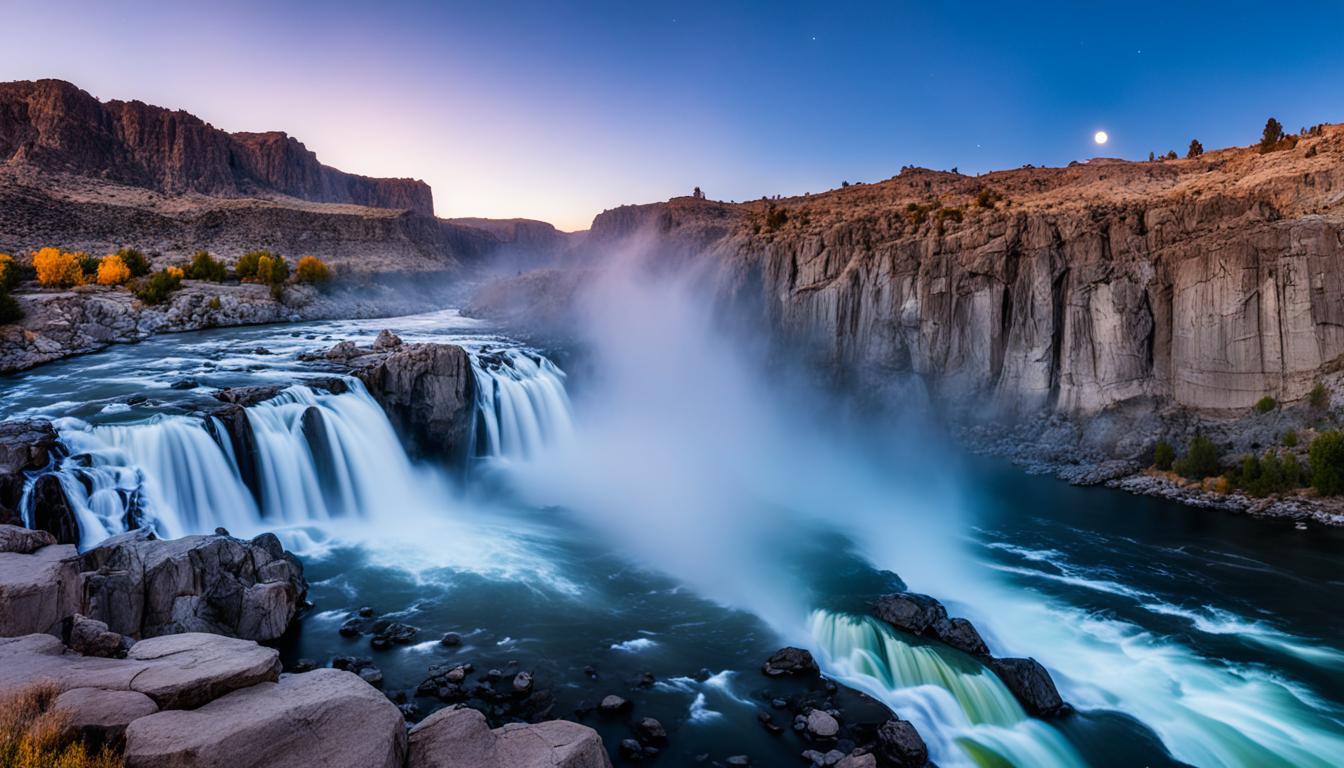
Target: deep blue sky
<point>558,110</point>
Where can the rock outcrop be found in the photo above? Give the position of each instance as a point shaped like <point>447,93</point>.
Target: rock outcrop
<point>39,587</point>
<point>144,587</point>
<point>461,738</point>
<point>427,390</point>
<point>26,445</point>
<point>1026,679</point>
<point>324,717</point>
<point>52,125</point>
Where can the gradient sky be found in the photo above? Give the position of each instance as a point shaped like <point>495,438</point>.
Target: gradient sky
<point>558,110</point>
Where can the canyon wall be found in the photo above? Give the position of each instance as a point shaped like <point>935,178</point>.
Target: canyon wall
<point>1206,283</point>
<point>54,126</point>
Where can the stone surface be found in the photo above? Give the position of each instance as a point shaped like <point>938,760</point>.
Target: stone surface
<point>461,738</point>
<point>23,541</point>
<point>50,510</point>
<point>901,745</point>
<point>911,612</point>
<point>1031,684</point>
<point>144,587</point>
<point>37,590</point>
<point>101,717</point>
<point>325,717</point>
<point>26,445</point>
<point>91,637</point>
<point>790,661</point>
<point>821,724</point>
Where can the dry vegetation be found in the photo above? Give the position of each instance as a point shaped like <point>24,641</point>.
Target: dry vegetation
<point>33,734</point>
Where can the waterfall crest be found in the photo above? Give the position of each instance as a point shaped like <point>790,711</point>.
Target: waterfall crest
<point>963,710</point>
<point>521,404</point>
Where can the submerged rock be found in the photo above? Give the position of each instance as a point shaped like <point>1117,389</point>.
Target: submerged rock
<point>790,661</point>
<point>911,612</point>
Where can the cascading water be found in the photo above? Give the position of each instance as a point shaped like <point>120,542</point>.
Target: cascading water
<point>521,404</point>
<point>960,707</point>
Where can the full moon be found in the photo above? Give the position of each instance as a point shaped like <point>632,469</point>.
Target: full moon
<point>1101,137</point>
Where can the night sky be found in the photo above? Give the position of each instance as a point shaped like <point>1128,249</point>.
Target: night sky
<point>558,110</point>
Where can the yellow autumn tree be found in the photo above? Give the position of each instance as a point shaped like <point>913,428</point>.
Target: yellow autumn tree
<point>56,268</point>
<point>175,272</point>
<point>312,270</point>
<point>112,270</point>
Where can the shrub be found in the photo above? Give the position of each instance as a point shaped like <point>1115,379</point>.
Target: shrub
<point>1200,459</point>
<point>1266,404</point>
<point>9,272</point>
<point>312,270</point>
<point>1327,463</point>
<point>88,265</point>
<point>158,287</point>
<point>1196,149</point>
<point>917,214</point>
<point>1163,455</point>
<point>247,264</point>
<point>112,270</point>
<point>57,269</point>
<point>135,260</point>
<point>1171,155</point>
<point>775,218</point>
<point>1268,475</point>
<point>32,733</point>
<point>1319,397</point>
<point>948,214</point>
<point>1292,471</point>
<point>986,197</point>
<point>1290,438</point>
<point>206,267</point>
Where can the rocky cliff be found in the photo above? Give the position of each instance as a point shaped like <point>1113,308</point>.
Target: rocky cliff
<point>54,126</point>
<point>1207,283</point>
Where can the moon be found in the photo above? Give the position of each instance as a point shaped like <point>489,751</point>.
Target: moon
<point>1101,137</point>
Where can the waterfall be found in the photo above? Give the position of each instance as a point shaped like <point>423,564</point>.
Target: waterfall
<point>318,456</point>
<point>960,707</point>
<point>521,404</point>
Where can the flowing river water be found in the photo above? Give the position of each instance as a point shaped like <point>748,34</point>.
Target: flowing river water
<point>663,520</point>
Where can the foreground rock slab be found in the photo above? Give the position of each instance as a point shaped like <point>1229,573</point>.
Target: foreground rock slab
<point>178,671</point>
<point>461,738</point>
<point>39,588</point>
<point>326,717</point>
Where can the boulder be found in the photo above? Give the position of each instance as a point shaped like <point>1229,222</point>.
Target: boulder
<point>429,394</point>
<point>37,590</point>
<point>962,635</point>
<point>790,661</point>
<point>857,760</point>
<point>821,724</point>
<point>387,340</point>
<point>909,611</point>
<point>23,541</point>
<point>326,717</point>
<point>230,428</point>
<point>248,396</point>
<point>461,738</point>
<point>1032,685</point>
<point>145,587</point>
<point>100,717</point>
<point>91,637</point>
<point>901,745</point>
<point>26,445</point>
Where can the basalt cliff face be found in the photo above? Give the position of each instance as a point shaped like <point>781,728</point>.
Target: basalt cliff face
<point>54,126</point>
<point>1205,283</point>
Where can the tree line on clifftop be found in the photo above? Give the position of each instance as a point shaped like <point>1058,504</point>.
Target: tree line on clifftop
<point>128,267</point>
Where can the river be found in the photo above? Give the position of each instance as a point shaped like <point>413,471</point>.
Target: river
<point>664,516</point>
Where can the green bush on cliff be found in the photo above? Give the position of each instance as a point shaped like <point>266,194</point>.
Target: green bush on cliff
<point>247,264</point>
<point>1269,474</point>
<point>1327,463</point>
<point>1200,460</point>
<point>158,287</point>
<point>203,266</point>
<point>1163,455</point>
<point>135,261</point>
<point>1319,396</point>
<point>1266,404</point>
<point>1290,438</point>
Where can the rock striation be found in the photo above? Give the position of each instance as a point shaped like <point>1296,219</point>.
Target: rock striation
<point>52,125</point>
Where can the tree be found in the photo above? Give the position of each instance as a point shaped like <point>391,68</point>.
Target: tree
<point>1196,149</point>
<point>697,194</point>
<point>1163,455</point>
<point>1171,155</point>
<point>135,260</point>
<point>247,264</point>
<point>158,287</point>
<point>312,270</point>
<point>10,311</point>
<point>112,270</point>
<point>1151,157</point>
<point>1327,463</point>
<point>57,268</point>
<point>1272,135</point>
<point>203,266</point>
<point>1200,459</point>
<point>9,273</point>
